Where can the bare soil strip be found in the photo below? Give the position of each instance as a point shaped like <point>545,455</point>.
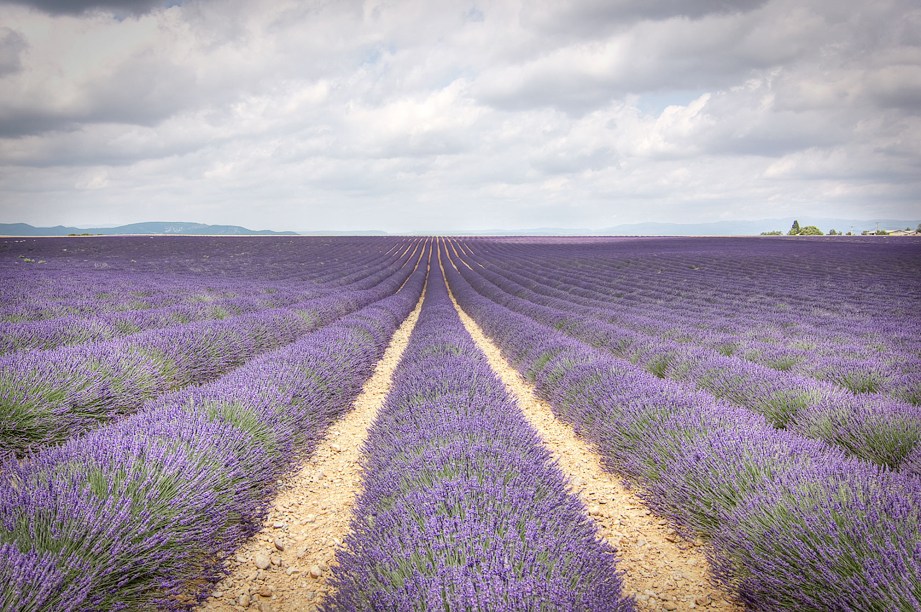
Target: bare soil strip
<point>661,569</point>
<point>286,566</point>
<point>454,246</point>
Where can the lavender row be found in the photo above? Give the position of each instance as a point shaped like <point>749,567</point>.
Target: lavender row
<point>49,333</point>
<point>879,357</point>
<point>794,524</point>
<point>462,506</point>
<point>37,293</point>
<point>49,396</point>
<point>119,296</point>
<point>875,428</point>
<point>177,271</point>
<point>861,361</point>
<point>140,514</point>
<point>289,259</point>
<point>729,277</point>
<point>46,334</point>
<point>680,299</point>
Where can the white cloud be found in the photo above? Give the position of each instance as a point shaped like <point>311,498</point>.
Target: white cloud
<point>413,115</point>
<point>94,179</point>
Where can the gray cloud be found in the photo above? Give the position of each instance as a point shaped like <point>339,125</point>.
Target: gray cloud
<point>142,91</point>
<point>897,86</point>
<point>414,115</point>
<point>714,52</point>
<point>12,45</point>
<point>591,18</point>
<point>77,7</point>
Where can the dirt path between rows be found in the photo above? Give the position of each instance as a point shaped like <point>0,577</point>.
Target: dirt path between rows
<point>286,566</point>
<point>662,570</point>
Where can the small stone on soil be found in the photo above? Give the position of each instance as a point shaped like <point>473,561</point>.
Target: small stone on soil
<point>262,561</point>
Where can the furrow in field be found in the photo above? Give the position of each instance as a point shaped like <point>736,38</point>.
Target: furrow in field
<point>780,511</point>
<point>846,355</point>
<point>205,461</point>
<point>875,428</point>
<point>661,569</point>
<point>52,396</point>
<point>463,507</point>
<point>310,516</point>
<point>196,305</point>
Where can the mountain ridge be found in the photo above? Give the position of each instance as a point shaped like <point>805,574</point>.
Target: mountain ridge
<point>169,228</point>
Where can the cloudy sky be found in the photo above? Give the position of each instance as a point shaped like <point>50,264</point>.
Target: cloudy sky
<point>425,115</point>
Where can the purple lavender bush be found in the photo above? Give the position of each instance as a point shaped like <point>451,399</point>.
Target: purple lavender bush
<point>32,581</point>
<point>863,339</point>
<point>463,507</point>
<point>140,513</point>
<point>795,524</point>
<point>45,334</point>
<point>873,427</point>
<point>92,277</point>
<point>49,396</point>
<point>852,535</point>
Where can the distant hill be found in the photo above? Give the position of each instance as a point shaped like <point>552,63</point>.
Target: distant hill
<point>153,227</point>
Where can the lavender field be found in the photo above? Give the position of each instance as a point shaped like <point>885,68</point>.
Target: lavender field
<point>760,397</point>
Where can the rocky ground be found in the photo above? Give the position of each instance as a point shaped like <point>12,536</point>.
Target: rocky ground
<point>662,570</point>
<point>286,566</point>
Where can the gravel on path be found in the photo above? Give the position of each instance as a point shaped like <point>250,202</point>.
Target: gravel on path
<point>662,570</point>
<point>286,566</point>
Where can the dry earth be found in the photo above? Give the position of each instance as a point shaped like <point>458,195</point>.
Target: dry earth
<point>286,566</point>
<point>662,570</point>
